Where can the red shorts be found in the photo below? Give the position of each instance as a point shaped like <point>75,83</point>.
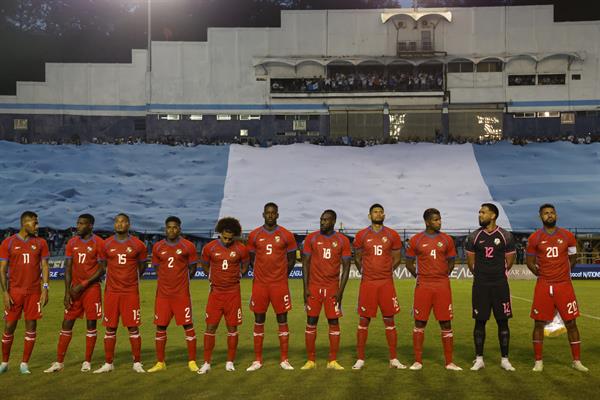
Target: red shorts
<point>278,294</point>
<point>89,302</point>
<point>126,305</point>
<point>167,308</point>
<point>29,304</point>
<point>380,293</point>
<point>549,297</point>
<point>436,295</point>
<point>227,304</point>
<point>321,296</point>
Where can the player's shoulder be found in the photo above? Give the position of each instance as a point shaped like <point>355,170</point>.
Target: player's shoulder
<point>311,236</point>
<point>416,237</point>
<point>187,243</point>
<point>342,237</point>
<point>136,240</point>
<point>285,231</point>
<point>240,245</point>
<point>536,234</point>
<point>448,238</point>
<point>255,231</point>
<point>75,239</point>
<point>566,233</point>
<point>97,239</point>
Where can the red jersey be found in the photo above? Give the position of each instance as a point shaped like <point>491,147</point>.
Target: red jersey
<point>376,249</point>
<point>326,253</point>
<point>432,253</point>
<point>122,260</point>
<point>224,264</point>
<point>552,252</point>
<point>24,259</point>
<point>85,255</point>
<point>271,249</point>
<point>173,261</point>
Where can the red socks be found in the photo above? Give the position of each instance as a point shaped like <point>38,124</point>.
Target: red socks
<point>90,343</point>
<point>538,346</point>
<point>232,343</point>
<point>310,337</point>
<point>448,344</point>
<point>284,338</point>
<point>392,336</point>
<point>576,350</point>
<point>418,339</point>
<point>361,337</point>
<point>209,345</point>
<point>334,341</point>
<point>160,341</point>
<point>136,345</point>
<point>259,336</point>
<point>110,339</point>
<point>190,339</point>
<point>63,344</point>
<point>7,341</point>
<point>28,346</point>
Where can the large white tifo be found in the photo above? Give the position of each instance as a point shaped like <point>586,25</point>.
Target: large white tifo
<point>304,180</point>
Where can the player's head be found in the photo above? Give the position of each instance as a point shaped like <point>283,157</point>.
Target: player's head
<point>376,214</point>
<point>271,214</point>
<point>29,222</point>
<point>85,224</point>
<point>327,222</point>
<point>172,227</point>
<point>433,219</point>
<point>228,229</point>
<point>548,215</point>
<point>488,213</point>
<point>122,223</point>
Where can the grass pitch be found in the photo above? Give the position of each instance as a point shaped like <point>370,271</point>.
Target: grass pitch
<point>558,380</point>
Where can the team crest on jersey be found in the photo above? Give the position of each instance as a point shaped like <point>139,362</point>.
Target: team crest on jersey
<point>129,249</point>
<point>497,241</point>
<point>232,254</point>
<point>179,251</point>
<point>440,244</point>
<point>277,239</point>
<point>384,239</point>
<point>560,241</point>
<point>75,248</point>
<point>334,244</point>
<point>90,248</point>
<point>33,247</point>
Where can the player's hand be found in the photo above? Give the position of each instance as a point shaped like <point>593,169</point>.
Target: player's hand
<point>8,301</point>
<point>44,297</point>
<point>338,298</point>
<point>67,300</point>
<point>76,290</point>
<point>306,296</point>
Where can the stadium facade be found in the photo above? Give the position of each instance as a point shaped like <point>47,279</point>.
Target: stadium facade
<point>462,72</point>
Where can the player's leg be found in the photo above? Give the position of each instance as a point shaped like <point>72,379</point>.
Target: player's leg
<point>110,322</point>
<point>367,309</point>
<point>388,303</point>
<point>64,338</point>
<point>422,304</point>
<point>575,342</point>
<point>566,304</point>
<point>233,318</point>
<point>482,308</point>
<point>538,344</point>
<point>191,342</point>
<point>129,308</point>
<point>90,342</point>
<point>542,311</point>
<point>162,317</point>
<point>310,339</point>
<point>333,312</point>
<point>92,307</point>
<point>279,296</point>
<point>502,313</point>
<point>259,302</point>
<point>442,308</point>
<point>214,311</point>
<point>7,339</point>
<point>32,311</point>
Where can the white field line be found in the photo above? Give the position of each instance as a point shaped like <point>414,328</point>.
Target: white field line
<point>582,314</point>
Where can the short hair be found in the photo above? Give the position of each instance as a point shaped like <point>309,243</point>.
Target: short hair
<point>229,224</point>
<point>28,214</point>
<point>492,208</point>
<point>430,212</point>
<point>271,204</point>
<point>547,205</point>
<point>329,211</point>
<point>173,218</point>
<point>376,205</point>
<point>122,215</point>
<point>89,217</point>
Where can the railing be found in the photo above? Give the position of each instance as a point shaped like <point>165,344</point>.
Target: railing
<point>416,47</point>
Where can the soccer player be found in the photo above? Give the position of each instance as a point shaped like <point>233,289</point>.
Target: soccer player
<point>225,260</point>
<point>22,255</point>
<point>377,255</point>
<point>126,258</point>
<point>324,251</point>
<point>434,253</point>
<point>84,266</point>
<point>490,255</point>
<point>551,253</point>
<point>175,260</point>
<point>273,255</point>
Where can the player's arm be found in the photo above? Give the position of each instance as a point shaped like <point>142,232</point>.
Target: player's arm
<point>471,261</point>
<point>306,274</point>
<point>45,280</point>
<point>531,264</point>
<point>4,284</point>
<point>410,266</point>
<point>192,269</point>
<point>451,262</point>
<point>68,274</point>
<point>510,251</point>
<point>396,259</point>
<point>343,279</point>
<point>142,265</point>
<point>358,260</point>
<point>470,251</point>
<point>291,261</point>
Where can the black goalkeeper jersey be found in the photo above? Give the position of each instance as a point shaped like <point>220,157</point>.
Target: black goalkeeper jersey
<point>490,249</point>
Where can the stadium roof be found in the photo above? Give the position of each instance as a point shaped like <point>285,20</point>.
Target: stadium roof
<point>415,14</point>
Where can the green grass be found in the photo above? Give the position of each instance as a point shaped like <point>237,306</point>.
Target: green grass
<point>557,381</point>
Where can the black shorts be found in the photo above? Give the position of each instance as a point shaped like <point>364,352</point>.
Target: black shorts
<point>491,296</point>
